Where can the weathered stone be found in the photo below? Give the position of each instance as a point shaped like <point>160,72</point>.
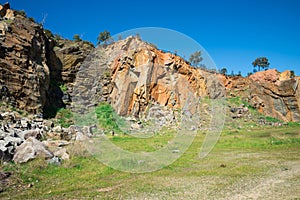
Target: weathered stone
<point>71,55</point>
<point>48,123</point>
<point>62,153</point>
<point>9,14</point>
<point>14,141</point>
<point>88,130</point>
<point>272,93</point>
<point>30,149</point>
<point>36,133</point>
<point>57,129</point>
<point>65,135</point>
<point>3,9</point>
<point>81,137</point>
<point>55,161</point>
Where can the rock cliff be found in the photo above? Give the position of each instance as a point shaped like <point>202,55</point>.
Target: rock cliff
<point>25,73</point>
<point>143,75</point>
<point>130,74</point>
<point>134,75</point>
<point>34,64</point>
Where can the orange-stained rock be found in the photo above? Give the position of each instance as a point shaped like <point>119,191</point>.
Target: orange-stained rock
<point>143,75</point>
<point>273,93</point>
<point>269,76</point>
<point>285,75</point>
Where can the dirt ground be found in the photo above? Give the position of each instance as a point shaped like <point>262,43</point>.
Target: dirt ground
<point>280,180</point>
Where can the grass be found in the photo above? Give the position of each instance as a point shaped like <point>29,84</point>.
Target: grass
<point>271,119</point>
<point>107,118</point>
<point>246,155</point>
<point>64,117</point>
<point>63,88</point>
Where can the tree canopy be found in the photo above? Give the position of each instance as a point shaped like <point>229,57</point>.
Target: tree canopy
<point>195,58</point>
<point>261,62</point>
<point>223,71</point>
<point>104,37</point>
<point>77,38</point>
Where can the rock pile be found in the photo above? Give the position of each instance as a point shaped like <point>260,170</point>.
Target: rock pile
<point>239,112</point>
<point>23,139</point>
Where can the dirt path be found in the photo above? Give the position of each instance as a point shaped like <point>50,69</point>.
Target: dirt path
<point>284,183</point>
<point>280,181</point>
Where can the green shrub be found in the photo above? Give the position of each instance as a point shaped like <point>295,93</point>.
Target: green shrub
<point>63,87</point>
<point>31,19</point>
<point>77,38</point>
<point>107,117</point>
<point>48,33</point>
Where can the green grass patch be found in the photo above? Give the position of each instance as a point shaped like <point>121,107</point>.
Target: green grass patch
<point>244,154</point>
<point>107,118</point>
<point>271,119</point>
<point>64,117</point>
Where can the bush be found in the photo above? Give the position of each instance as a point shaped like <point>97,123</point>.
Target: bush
<point>77,38</point>
<point>31,19</point>
<point>107,117</point>
<point>48,33</point>
<point>292,74</point>
<point>63,88</point>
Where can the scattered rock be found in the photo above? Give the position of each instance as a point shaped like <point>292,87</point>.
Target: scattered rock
<point>239,112</point>
<point>80,136</point>
<point>4,176</point>
<point>62,154</point>
<point>223,165</point>
<point>55,161</point>
<point>36,133</point>
<point>30,149</point>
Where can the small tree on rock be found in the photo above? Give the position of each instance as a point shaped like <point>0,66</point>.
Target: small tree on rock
<point>77,38</point>
<point>223,71</point>
<point>195,58</point>
<point>261,62</point>
<point>104,37</point>
<point>293,74</point>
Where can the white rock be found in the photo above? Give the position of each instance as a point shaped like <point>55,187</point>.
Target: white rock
<point>30,149</point>
<point>62,153</point>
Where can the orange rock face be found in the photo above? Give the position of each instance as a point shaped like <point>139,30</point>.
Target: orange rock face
<point>273,93</point>
<point>143,75</point>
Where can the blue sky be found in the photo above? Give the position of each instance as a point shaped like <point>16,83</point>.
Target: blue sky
<point>233,32</point>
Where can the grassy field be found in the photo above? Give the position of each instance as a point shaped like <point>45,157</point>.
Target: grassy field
<point>257,163</point>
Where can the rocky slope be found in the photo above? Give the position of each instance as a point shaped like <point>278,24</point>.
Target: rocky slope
<point>130,74</point>
<point>272,93</point>
<point>135,75</point>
